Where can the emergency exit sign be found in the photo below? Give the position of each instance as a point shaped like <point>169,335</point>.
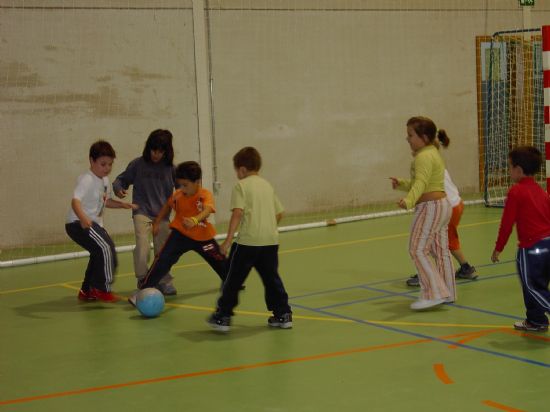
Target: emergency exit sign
<point>526,2</point>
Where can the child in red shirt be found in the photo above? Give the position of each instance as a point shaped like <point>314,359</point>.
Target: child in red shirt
<point>528,207</point>
<point>190,229</point>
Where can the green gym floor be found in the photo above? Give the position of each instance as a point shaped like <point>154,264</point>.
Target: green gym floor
<point>355,345</point>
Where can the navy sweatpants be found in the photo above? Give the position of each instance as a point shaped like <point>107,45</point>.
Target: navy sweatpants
<point>100,272</point>
<point>265,260</point>
<point>534,271</point>
<point>176,245</point>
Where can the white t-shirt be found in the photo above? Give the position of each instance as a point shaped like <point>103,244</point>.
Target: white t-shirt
<point>451,190</point>
<point>93,192</point>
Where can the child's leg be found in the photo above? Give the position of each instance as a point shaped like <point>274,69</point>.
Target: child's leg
<point>175,246</point>
<point>452,230</point>
<point>105,262</point>
<point>102,264</point>
<point>425,226</point>
<point>440,252</point>
<point>80,237</point>
<point>158,242</point>
<point>142,231</point>
<point>241,261</point>
<point>210,251</point>
<point>267,266</point>
<point>534,270</point>
<point>85,287</point>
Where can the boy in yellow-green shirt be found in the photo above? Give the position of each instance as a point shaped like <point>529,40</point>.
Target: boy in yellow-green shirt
<point>257,210</point>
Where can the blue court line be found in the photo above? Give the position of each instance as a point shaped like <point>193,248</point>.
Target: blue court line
<point>379,282</point>
<point>432,338</point>
<point>400,279</point>
<point>409,295</point>
<point>387,293</point>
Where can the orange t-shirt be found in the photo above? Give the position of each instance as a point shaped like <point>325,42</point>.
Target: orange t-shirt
<point>185,206</point>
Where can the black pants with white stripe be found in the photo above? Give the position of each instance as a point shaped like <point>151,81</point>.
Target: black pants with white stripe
<point>534,271</point>
<point>176,245</point>
<point>265,259</point>
<point>100,272</point>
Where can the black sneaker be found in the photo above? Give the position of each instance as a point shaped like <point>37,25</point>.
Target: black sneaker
<point>218,322</point>
<point>413,281</point>
<point>283,321</point>
<point>466,272</point>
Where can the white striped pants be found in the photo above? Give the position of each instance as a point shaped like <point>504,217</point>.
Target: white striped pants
<point>429,249</point>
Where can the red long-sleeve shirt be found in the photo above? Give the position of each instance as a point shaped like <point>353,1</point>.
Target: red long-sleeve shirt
<point>528,206</point>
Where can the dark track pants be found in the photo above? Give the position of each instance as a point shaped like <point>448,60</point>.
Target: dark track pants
<point>176,245</point>
<point>265,260</point>
<point>100,273</point>
<point>534,271</point>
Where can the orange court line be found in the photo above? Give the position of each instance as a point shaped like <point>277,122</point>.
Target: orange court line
<point>471,336</point>
<point>501,406</point>
<point>439,370</point>
<point>528,335</point>
<point>210,372</point>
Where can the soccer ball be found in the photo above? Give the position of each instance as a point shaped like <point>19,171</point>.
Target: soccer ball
<point>150,302</point>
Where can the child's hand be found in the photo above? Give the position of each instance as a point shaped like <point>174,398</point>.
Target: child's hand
<point>132,206</point>
<point>402,204</point>
<point>155,228</point>
<point>188,223</point>
<point>86,223</point>
<point>394,182</point>
<point>225,246</point>
<point>121,193</point>
<point>494,256</point>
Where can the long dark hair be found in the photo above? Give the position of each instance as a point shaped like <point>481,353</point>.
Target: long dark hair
<point>160,140</point>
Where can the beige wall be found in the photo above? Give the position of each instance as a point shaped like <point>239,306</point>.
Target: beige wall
<point>322,91</point>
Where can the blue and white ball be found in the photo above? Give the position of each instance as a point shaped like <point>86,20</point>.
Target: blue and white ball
<point>150,302</point>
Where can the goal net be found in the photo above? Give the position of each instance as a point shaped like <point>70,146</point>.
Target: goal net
<point>515,106</point>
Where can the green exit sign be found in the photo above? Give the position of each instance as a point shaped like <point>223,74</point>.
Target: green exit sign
<point>526,2</point>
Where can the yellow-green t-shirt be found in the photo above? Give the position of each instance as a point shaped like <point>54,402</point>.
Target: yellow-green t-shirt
<point>427,175</point>
<point>260,205</point>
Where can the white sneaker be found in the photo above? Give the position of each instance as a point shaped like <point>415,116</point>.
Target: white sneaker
<point>132,299</point>
<point>422,304</point>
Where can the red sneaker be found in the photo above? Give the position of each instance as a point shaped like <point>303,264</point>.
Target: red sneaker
<point>85,296</point>
<point>102,296</point>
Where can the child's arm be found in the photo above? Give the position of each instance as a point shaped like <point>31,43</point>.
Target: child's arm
<point>507,221</point>
<point>234,222</point>
<point>192,221</point>
<point>400,184</point>
<point>85,221</point>
<point>164,212</point>
<point>124,180</point>
<point>423,169</point>
<point>117,204</point>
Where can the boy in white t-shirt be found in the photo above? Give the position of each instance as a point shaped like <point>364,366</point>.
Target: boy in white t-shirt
<point>84,223</point>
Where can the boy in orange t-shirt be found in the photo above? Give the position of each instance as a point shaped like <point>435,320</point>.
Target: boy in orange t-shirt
<point>190,229</point>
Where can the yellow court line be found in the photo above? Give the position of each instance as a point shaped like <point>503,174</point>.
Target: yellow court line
<point>321,318</point>
<point>323,246</point>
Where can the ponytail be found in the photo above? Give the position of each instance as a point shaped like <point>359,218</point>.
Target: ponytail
<point>443,138</point>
